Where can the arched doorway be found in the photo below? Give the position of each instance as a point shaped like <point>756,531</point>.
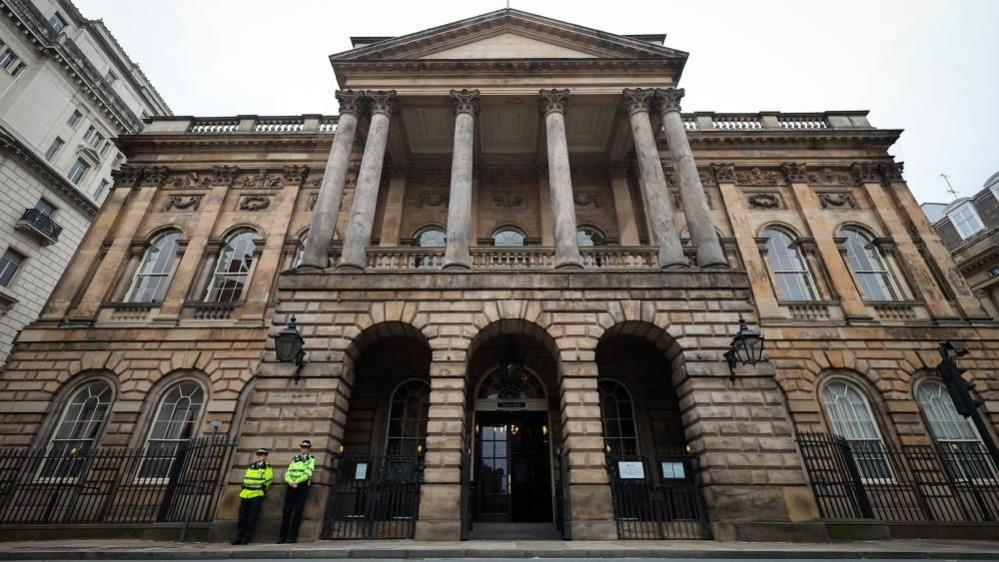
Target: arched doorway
<point>513,421</point>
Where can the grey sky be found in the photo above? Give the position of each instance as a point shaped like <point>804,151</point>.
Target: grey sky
<point>929,67</point>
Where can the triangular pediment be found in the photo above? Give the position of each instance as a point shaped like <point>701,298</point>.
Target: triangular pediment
<point>508,35</point>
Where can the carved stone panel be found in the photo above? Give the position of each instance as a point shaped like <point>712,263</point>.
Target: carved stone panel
<point>759,176</point>
<point>830,176</point>
<point>764,200</point>
<point>431,199</point>
<point>183,202</point>
<point>254,202</point>
<point>839,200</point>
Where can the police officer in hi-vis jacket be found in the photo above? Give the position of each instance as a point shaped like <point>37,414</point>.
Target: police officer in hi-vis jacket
<point>256,482</point>
<point>298,477</point>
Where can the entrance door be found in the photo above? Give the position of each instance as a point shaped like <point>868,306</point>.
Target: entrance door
<point>513,467</point>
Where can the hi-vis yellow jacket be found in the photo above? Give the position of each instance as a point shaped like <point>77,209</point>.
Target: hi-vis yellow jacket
<point>257,480</point>
<point>300,470</point>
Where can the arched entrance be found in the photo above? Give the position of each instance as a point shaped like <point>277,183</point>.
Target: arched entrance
<point>513,485</point>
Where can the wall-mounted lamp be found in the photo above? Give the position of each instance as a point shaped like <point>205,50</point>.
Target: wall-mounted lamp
<point>289,344</point>
<point>746,348</point>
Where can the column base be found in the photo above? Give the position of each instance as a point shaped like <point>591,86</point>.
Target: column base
<point>309,267</point>
<point>675,265</point>
<point>569,265</point>
<point>456,266</point>
<point>349,267</point>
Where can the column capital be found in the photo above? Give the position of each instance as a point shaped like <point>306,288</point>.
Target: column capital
<point>224,175</point>
<point>724,173</point>
<point>892,172</point>
<point>796,172</point>
<point>637,99</point>
<point>382,101</point>
<point>154,176</point>
<point>669,99</point>
<point>553,101</point>
<point>465,101</point>
<point>127,176</point>
<point>865,172</point>
<point>350,101</point>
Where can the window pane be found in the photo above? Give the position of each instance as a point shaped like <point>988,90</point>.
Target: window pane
<point>864,259</point>
<point>78,429</point>
<point>587,237</point>
<point>791,276</point>
<point>9,264</point>
<point>232,267</point>
<point>432,238</point>
<point>150,282</point>
<point>851,418</point>
<point>508,237</point>
<point>176,422</point>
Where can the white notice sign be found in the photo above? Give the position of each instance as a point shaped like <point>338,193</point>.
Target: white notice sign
<point>631,470</point>
<point>361,471</point>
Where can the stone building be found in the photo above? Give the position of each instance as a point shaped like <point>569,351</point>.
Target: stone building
<point>968,228</point>
<point>67,89</point>
<point>518,269</point>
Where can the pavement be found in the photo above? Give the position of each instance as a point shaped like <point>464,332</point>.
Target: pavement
<point>501,550</point>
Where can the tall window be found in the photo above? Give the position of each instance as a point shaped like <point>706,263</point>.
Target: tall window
<point>232,269</point>
<point>176,422</point>
<point>509,237</point>
<point>957,439</point>
<point>57,22</point>
<point>588,236</point>
<point>110,77</point>
<point>431,237</point>
<point>791,276</point>
<point>10,262</point>
<point>864,259</point>
<point>78,170</point>
<point>153,276</point>
<point>95,140</point>
<point>74,119</point>
<point>407,431</point>
<point>9,61</point>
<point>45,206</point>
<point>76,434</point>
<point>618,415</point>
<point>966,220</point>
<point>101,189</point>
<point>851,418</point>
<point>54,148</point>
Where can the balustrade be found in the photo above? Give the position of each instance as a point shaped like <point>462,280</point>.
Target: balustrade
<point>289,125</point>
<point>214,126</point>
<point>802,121</point>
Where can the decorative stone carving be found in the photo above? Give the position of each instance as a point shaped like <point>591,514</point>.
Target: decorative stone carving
<point>126,176</point>
<point>795,172</point>
<point>707,178</point>
<point>553,100</point>
<point>432,199</point>
<point>254,202</point>
<point>350,101</point>
<point>866,172</point>
<point>758,176</point>
<point>669,99</point>
<point>636,100</point>
<point>724,173</point>
<point>224,175</point>
<point>295,174</point>
<point>586,199</point>
<point>155,176</point>
<point>892,172</point>
<point>829,176</point>
<point>313,198</point>
<point>259,179</point>
<point>770,200</point>
<point>465,101</point>
<point>183,202</point>
<point>837,201</point>
<point>382,101</point>
<point>313,181</point>
<point>508,200</point>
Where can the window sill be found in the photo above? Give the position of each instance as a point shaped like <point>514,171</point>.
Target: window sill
<point>7,301</point>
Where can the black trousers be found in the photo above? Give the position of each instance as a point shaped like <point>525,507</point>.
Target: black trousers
<point>294,504</point>
<point>249,510</point>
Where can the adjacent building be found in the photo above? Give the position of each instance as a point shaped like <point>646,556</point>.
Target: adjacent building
<point>67,91</point>
<point>969,228</point>
<point>517,268</point>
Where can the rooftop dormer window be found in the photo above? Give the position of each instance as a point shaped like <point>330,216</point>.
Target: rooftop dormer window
<point>966,220</point>
<point>110,77</point>
<point>57,22</point>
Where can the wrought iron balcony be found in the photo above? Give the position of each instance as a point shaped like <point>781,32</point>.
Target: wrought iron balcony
<point>40,225</point>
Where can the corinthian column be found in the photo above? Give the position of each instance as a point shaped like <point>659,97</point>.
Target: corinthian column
<point>459,207</point>
<point>657,199</point>
<point>362,213</point>
<point>553,104</point>
<point>695,201</point>
<point>327,207</point>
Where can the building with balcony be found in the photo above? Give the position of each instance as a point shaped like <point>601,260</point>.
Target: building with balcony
<point>969,228</point>
<point>67,91</point>
<point>517,267</point>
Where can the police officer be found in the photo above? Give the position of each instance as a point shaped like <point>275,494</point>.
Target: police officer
<point>256,482</point>
<point>298,477</point>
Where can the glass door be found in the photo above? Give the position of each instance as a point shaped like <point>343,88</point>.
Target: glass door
<point>494,471</point>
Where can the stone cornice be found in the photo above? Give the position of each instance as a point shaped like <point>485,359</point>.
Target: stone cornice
<point>544,67</point>
<point>780,138</point>
<point>13,148</point>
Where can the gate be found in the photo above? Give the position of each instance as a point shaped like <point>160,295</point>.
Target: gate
<point>113,485</point>
<point>374,497</point>
<point>657,497</point>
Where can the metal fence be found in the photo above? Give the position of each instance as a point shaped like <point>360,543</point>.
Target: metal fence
<point>374,497</point>
<point>947,483</point>
<point>113,485</point>
<point>657,497</point>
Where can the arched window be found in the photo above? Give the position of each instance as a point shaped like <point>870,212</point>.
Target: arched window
<point>76,433</point>
<point>509,236</point>
<point>502,385</point>
<point>587,236</point>
<point>955,435</point>
<point>153,276</point>
<point>407,429</point>
<point>431,237</point>
<point>620,436</point>
<point>791,277</point>
<point>176,422</point>
<point>867,264</point>
<point>851,418</point>
<point>232,269</point>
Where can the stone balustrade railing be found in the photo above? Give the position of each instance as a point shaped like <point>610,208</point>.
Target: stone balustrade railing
<point>773,120</point>
<point>492,257</point>
<point>243,124</point>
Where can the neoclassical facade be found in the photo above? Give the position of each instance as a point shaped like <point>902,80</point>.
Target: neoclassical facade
<point>517,267</point>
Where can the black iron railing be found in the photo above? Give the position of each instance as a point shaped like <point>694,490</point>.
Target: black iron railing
<point>112,485</point>
<point>374,497</point>
<point>952,482</point>
<point>41,223</point>
<point>657,497</point>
